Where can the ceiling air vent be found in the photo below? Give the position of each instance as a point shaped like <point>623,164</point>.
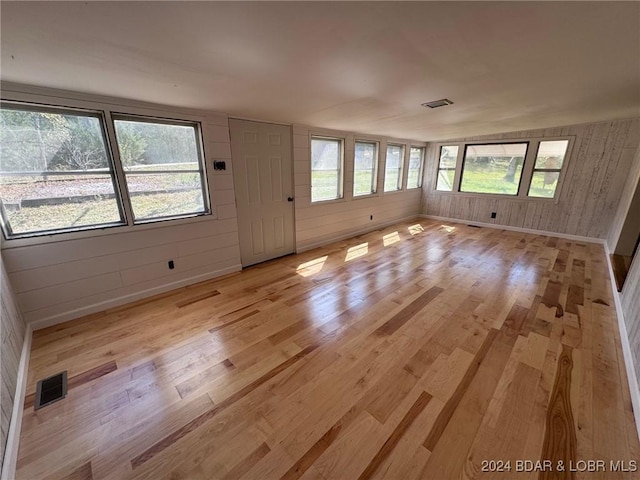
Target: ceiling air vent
<point>438,103</point>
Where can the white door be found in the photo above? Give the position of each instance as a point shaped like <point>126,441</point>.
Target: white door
<point>263,182</point>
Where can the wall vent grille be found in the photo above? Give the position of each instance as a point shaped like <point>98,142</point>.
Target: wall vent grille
<point>438,103</point>
<point>50,390</point>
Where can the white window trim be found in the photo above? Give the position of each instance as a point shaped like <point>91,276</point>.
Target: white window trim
<point>376,169</point>
<point>341,197</point>
<point>402,174</point>
<point>420,171</point>
<point>527,168</point>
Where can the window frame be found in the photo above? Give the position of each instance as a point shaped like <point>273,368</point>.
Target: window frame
<point>202,170</point>
<point>455,169</point>
<point>423,152</point>
<point>522,172</point>
<point>43,98</point>
<point>527,168</point>
<point>376,168</point>
<point>341,169</point>
<point>401,169</point>
<point>21,106</point>
<point>561,171</point>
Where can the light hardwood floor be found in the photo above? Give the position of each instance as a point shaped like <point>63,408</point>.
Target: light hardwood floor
<point>417,351</point>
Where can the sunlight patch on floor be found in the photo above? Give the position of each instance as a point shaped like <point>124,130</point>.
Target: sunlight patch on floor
<point>448,228</point>
<point>357,251</point>
<point>390,239</point>
<point>415,229</point>
<point>311,267</point>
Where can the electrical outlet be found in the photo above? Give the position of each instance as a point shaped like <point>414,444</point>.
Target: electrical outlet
<point>493,214</point>
<point>171,265</point>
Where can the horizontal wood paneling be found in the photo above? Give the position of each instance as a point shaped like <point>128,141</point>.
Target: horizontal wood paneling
<point>12,332</point>
<point>75,308</point>
<point>321,223</point>
<point>596,173</point>
<point>60,278</point>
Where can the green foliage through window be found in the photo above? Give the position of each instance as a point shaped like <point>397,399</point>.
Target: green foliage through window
<point>326,169</point>
<point>493,168</point>
<point>56,172</point>
<point>365,168</point>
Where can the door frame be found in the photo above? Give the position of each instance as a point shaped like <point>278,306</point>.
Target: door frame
<point>293,182</point>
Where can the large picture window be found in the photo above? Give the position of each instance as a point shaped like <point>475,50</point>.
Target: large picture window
<point>56,173</point>
<point>393,168</point>
<point>326,169</point>
<point>546,171</point>
<point>365,168</point>
<point>493,168</point>
<point>416,162</point>
<point>162,166</point>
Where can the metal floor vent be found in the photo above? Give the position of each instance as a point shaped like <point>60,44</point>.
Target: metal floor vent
<point>51,389</point>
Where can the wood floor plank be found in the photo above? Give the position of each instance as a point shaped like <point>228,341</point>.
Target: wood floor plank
<point>419,359</point>
<point>395,437</point>
<point>80,379</point>
<point>200,420</point>
<point>247,463</point>
<point>560,434</point>
<point>196,299</point>
<point>403,316</point>
<point>452,404</point>
<point>302,465</point>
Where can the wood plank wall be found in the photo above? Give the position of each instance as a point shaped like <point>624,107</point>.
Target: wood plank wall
<point>630,295</point>
<point>626,198</point>
<point>630,299</point>
<point>321,223</point>
<point>60,279</point>
<point>12,331</point>
<point>601,159</point>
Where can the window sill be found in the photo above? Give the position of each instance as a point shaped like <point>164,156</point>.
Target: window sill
<point>362,197</point>
<point>393,192</point>
<point>327,202</point>
<point>494,195</point>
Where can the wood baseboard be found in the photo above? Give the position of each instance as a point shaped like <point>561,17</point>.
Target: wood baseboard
<point>576,238</point>
<point>15,427</point>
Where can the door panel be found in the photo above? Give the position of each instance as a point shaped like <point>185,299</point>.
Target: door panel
<point>263,180</point>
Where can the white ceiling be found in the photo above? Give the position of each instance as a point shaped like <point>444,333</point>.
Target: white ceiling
<point>362,66</point>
